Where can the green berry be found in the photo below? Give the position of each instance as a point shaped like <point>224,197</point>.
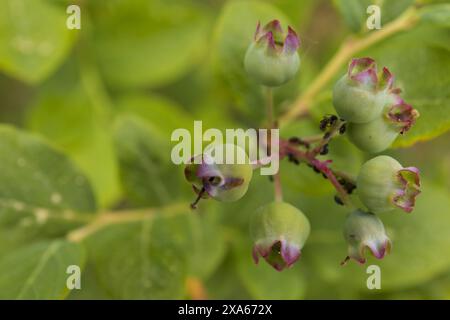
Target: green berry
<point>356,104</point>
<point>383,185</point>
<point>363,230</point>
<point>379,134</point>
<point>372,137</point>
<point>211,176</point>
<point>272,59</point>
<point>279,231</point>
<point>361,94</point>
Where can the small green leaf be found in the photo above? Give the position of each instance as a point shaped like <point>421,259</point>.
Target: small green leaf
<point>141,266</point>
<point>34,38</point>
<point>153,108</point>
<point>392,9</point>
<point>90,287</point>
<point>38,271</point>
<point>438,14</point>
<point>152,258</point>
<point>39,183</point>
<point>225,284</point>
<point>147,173</point>
<point>147,43</point>
<point>80,127</point>
<point>353,12</point>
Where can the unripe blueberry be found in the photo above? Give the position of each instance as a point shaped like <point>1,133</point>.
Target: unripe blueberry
<point>372,137</point>
<point>214,175</point>
<point>272,58</point>
<point>363,94</point>
<point>279,231</point>
<point>360,95</point>
<point>378,135</point>
<point>365,230</point>
<point>383,185</point>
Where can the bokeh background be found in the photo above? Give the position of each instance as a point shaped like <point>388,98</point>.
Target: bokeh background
<point>98,105</point>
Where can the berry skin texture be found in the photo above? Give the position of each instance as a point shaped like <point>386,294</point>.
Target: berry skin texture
<point>383,185</point>
<point>236,179</point>
<point>364,230</point>
<point>356,104</point>
<point>279,231</point>
<point>272,58</point>
<point>372,137</point>
<point>379,134</point>
<point>372,106</point>
<point>361,94</point>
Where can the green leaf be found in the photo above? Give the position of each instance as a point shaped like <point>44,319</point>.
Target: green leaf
<point>34,39</point>
<point>438,14</point>
<point>39,183</point>
<point>153,258</point>
<point>153,108</point>
<point>38,271</point>
<point>355,12</point>
<point>207,246</point>
<point>225,284</point>
<point>147,43</point>
<point>423,73</point>
<point>90,287</point>
<point>42,196</point>
<point>299,11</point>
<point>433,245</point>
<point>140,266</point>
<point>148,176</point>
<point>79,126</point>
<point>392,9</point>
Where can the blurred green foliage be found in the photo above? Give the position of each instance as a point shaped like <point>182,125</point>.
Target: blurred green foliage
<point>87,117</point>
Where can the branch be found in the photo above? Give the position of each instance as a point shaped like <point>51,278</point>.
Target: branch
<point>110,218</point>
<point>347,50</point>
<point>319,166</point>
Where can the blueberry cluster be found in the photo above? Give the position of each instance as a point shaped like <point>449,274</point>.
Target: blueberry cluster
<point>370,111</point>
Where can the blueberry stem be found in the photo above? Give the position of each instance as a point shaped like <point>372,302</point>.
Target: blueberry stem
<point>278,189</point>
<point>330,134</point>
<point>319,166</point>
<point>199,197</point>
<point>269,102</point>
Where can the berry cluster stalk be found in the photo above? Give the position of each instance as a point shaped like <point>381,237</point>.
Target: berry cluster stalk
<point>278,190</point>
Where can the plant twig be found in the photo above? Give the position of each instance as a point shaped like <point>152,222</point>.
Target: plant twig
<point>111,218</point>
<point>326,138</point>
<point>347,50</point>
<point>278,189</point>
<point>345,176</point>
<point>320,166</point>
<point>269,105</point>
